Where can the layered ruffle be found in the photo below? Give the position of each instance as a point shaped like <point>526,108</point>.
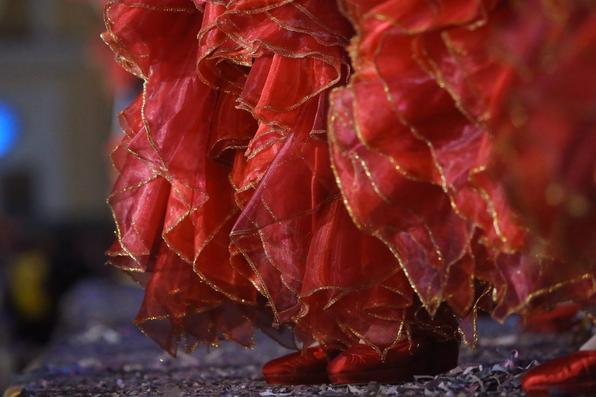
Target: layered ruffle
<point>411,148</point>
<point>546,129</point>
<point>225,189</point>
<point>172,204</point>
<point>275,173</point>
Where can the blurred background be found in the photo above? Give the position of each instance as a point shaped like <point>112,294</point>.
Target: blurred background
<point>59,92</point>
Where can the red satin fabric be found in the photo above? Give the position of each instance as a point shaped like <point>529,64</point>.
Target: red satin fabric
<point>362,364</point>
<point>570,375</point>
<point>273,172</point>
<point>300,368</point>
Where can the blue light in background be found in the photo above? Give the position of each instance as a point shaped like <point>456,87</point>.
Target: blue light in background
<point>9,129</point>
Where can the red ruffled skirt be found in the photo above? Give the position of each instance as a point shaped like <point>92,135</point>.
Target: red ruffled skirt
<point>328,167</point>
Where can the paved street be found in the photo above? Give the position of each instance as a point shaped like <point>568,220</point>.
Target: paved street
<point>97,352</point>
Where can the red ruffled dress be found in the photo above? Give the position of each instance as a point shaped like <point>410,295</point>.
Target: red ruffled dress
<point>545,156</point>
<point>327,166</point>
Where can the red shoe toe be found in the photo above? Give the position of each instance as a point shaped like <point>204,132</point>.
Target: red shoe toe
<point>574,374</point>
<point>307,367</point>
<point>362,364</point>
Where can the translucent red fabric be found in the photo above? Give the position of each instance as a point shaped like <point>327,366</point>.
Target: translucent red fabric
<point>550,103</point>
<point>415,172</point>
<point>322,165</point>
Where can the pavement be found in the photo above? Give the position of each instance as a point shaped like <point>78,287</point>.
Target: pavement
<point>98,352</point>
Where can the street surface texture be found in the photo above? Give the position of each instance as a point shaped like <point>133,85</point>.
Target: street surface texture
<point>97,352</point>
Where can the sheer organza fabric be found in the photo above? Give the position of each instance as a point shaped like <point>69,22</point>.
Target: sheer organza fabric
<point>329,167</point>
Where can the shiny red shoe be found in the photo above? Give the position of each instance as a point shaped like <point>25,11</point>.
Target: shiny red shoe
<point>361,364</point>
<point>572,375</point>
<point>307,367</point>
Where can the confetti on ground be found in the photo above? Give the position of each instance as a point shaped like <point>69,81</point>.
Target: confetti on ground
<point>98,353</point>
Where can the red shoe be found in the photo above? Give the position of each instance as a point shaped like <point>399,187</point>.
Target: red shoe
<point>307,367</point>
<point>574,374</point>
<point>361,364</point>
